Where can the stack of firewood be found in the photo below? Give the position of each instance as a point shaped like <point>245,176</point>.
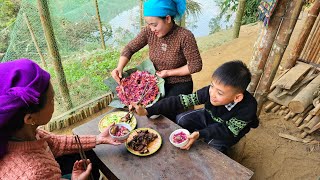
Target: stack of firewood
<point>296,96</point>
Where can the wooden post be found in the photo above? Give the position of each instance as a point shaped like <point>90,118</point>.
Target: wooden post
<point>35,42</point>
<point>100,25</point>
<point>141,14</point>
<point>278,49</point>
<point>54,52</point>
<point>298,47</point>
<point>264,43</point>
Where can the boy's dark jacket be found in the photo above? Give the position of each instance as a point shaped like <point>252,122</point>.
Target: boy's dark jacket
<point>224,126</point>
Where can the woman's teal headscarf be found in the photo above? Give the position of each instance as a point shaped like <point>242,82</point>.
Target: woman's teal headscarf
<point>162,8</point>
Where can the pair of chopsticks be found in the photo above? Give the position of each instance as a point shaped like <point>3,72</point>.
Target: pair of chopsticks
<point>82,155</point>
<point>144,92</point>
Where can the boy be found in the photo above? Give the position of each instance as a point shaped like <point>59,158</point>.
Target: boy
<point>229,110</point>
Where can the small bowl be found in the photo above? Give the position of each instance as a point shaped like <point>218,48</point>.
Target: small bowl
<point>124,137</point>
<point>179,145</point>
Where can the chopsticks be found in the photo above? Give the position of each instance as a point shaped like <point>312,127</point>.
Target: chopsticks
<point>144,92</point>
<point>82,155</point>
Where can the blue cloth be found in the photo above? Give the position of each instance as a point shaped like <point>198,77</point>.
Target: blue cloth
<point>162,8</point>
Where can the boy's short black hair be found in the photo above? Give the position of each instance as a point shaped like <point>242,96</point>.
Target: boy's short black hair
<point>233,73</point>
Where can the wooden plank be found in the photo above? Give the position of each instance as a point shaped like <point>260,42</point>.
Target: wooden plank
<point>293,138</point>
<point>293,75</point>
<point>284,100</point>
<point>305,97</point>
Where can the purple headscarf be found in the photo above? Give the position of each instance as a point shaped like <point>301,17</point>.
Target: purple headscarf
<point>21,84</point>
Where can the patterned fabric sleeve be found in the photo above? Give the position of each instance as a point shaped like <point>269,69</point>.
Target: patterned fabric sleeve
<point>235,125</point>
<point>61,144</point>
<point>192,54</point>
<point>176,103</point>
<point>136,44</point>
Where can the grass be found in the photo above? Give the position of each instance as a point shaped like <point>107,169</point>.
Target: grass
<point>85,75</point>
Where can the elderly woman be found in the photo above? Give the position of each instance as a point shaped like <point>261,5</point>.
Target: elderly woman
<point>172,49</point>
<point>26,102</point>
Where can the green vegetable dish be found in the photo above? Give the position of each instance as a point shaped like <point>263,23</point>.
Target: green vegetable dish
<point>116,117</point>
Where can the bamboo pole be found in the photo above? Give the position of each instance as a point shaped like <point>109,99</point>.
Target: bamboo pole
<point>269,106</point>
<point>141,15</point>
<point>303,115</point>
<point>103,45</point>
<point>276,108</point>
<point>278,49</point>
<point>264,43</point>
<point>307,45</point>
<point>298,47</point>
<point>238,20</point>
<point>34,39</point>
<point>316,48</point>
<point>313,43</point>
<point>54,52</point>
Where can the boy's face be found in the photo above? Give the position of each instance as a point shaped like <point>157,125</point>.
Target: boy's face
<point>221,94</point>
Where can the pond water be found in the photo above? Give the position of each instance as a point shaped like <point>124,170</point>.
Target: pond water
<point>129,20</point>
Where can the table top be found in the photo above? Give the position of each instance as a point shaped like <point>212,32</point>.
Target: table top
<point>200,162</point>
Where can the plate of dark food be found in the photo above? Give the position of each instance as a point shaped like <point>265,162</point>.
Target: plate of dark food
<point>117,117</point>
<point>143,141</point>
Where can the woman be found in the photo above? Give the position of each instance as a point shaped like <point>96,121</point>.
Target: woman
<point>172,49</point>
<point>26,102</point>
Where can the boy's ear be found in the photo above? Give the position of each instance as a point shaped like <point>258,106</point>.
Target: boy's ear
<point>238,97</point>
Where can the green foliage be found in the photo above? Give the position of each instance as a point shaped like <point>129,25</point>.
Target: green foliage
<point>8,12</point>
<point>85,74</point>
<point>250,13</point>
<point>228,7</point>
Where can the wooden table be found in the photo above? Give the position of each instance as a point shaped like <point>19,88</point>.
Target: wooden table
<point>169,162</point>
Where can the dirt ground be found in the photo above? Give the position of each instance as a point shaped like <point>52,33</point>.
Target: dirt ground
<point>262,150</point>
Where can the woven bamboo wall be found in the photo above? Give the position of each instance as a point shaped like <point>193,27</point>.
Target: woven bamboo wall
<point>79,113</point>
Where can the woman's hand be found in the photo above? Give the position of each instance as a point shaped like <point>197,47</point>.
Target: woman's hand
<point>78,171</point>
<point>163,73</point>
<point>139,109</point>
<point>192,138</point>
<point>105,138</point>
<point>117,74</point>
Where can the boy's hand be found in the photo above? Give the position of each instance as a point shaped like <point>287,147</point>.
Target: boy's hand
<point>192,138</point>
<point>139,109</point>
